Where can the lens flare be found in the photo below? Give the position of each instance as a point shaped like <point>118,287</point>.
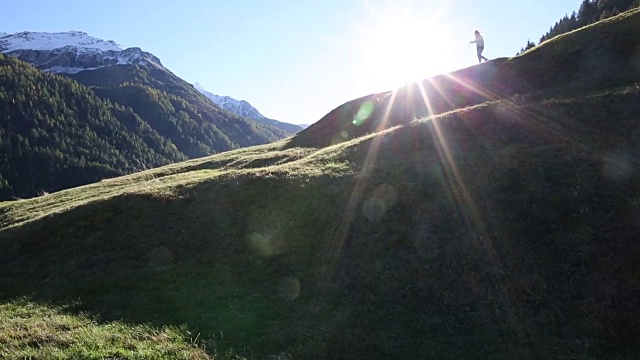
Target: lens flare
<point>262,244</point>
<point>289,288</point>
<point>364,113</point>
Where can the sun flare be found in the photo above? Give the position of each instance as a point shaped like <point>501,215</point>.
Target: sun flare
<point>403,48</point>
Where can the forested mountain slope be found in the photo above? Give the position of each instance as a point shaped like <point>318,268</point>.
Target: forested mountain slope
<point>58,133</point>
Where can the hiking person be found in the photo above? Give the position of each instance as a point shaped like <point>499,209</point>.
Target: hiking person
<point>479,41</point>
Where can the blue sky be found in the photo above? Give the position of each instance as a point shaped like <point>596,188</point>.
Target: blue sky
<point>296,60</point>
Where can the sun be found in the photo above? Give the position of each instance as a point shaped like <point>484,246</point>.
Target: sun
<point>401,48</point>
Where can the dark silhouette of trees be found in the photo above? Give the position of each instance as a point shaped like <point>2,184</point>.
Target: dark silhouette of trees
<point>527,47</point>
<point>590,11</point>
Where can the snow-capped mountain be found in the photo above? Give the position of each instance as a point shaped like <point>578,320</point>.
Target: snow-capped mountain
<point>75,51</point>
<point>239,107</point>
<point>243,108</point>
<point>71,52</point>
<point>48,41</point>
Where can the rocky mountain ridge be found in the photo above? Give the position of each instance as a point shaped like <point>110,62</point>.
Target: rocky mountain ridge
<point>71,52</point>
<point>74,51</point>
<point>244,108</point>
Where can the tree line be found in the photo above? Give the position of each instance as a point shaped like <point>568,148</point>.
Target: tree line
<point>590,11</point>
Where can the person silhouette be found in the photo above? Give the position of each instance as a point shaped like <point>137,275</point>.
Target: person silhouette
<point>479,41</point>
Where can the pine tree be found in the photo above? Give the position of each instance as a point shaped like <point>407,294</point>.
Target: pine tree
<point>621,5</point>
<point>615,11</point>
<point>586,13</point>
<point>529,46</point>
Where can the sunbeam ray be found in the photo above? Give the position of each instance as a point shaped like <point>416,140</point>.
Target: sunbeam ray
<point>349,212</point>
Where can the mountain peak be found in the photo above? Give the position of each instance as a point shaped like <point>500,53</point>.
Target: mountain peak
<point>240,107</point>
<point>72,51</point>
<point>27,40</point>
<point>244,108</point>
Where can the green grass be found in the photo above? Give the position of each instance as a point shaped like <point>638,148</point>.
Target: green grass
<point>386,252</point>
<point>32,331</point>
<point>171,180</point>
<point>135,207</point>
<point>499,231</point>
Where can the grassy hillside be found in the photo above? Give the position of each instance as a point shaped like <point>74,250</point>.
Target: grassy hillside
<point>600,56</point>
<point>504,229</point>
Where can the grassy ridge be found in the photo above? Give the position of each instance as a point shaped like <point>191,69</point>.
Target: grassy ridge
<point>600,56</point>
<point>104,277</point>
<point>502,230</point>
<point>493,239</point>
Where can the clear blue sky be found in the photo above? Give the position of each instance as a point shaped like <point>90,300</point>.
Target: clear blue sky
<point>296,60</point>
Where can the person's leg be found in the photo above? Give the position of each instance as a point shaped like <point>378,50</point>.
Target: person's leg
<point>480,57</point>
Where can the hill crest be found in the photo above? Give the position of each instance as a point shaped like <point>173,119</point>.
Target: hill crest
<point>578,61</point>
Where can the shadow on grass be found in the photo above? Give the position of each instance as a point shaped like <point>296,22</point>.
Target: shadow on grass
<point>517,238</point>
<point>189,260</point>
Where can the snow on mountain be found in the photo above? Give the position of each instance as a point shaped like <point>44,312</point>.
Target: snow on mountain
<point>74,51</point>
<point>243,108</point>
<point>239,107</point>
<point>71,52</point>
<point>48,41</point>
